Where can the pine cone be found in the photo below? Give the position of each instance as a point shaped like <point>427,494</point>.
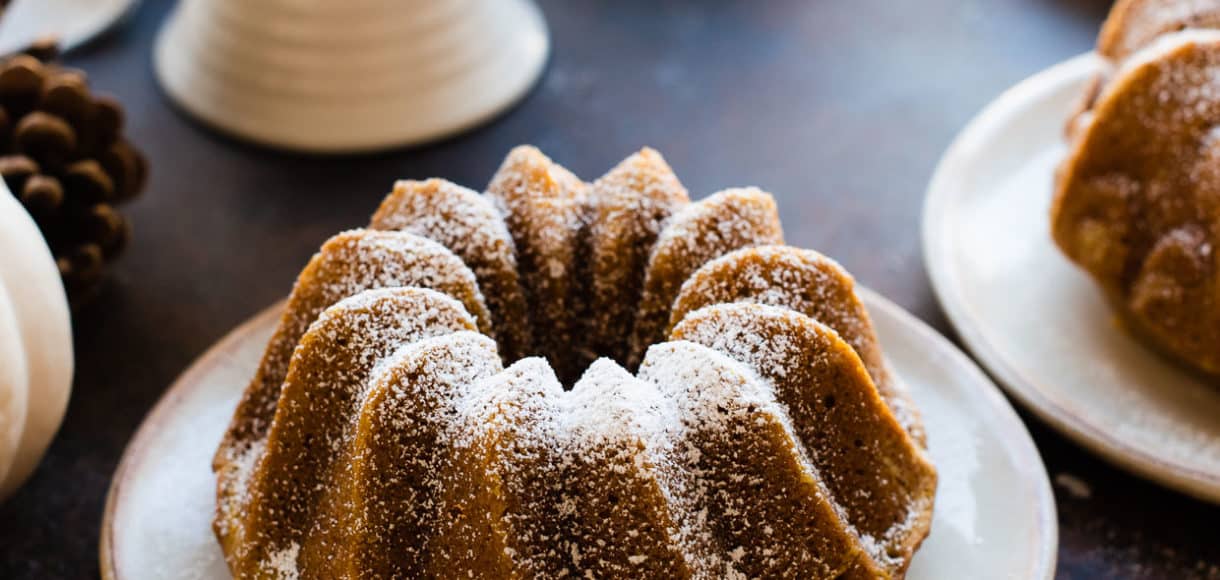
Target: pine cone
<point>63,155</point>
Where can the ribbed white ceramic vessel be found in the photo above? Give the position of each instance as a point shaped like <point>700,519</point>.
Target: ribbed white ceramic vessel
<point>338,76</point>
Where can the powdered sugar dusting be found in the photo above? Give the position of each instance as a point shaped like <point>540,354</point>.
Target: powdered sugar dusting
<point>545,207</point>
<point>608,405</point>
<point>631,204</point>
<point>393,501</point>
<point>1136,200</point>
<point>806,282</point>
<point>734,458</point>
<point>328,376</point>
<point>347,264</point>
<point>399,447</point>
<point>468,224</point>
<point>282,565</point>
<point>700,232</point>
<point>837,415</point>
<point>1134,24</point>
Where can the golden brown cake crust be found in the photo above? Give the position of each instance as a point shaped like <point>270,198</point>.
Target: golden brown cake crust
<point>1134,24</point>
<point>1082,112</point>
<point>402,487</point>
<point>382,436</point>
<point>284,497</point>
<point>346,265</point>
<point>544,206</point>
<point>622,524</point>
<point>506,458</point>
<point>838,415</point>
<point>469,225</point>
<point>699,233</point>
<point>630,205</point>
<point>753,489</point>
<point>1137,201</point>
<point>806,282</point>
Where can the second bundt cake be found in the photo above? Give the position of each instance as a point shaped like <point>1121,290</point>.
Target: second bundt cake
<point>1137,199</point>
<point>448,395</point>
<point>1134,24</point>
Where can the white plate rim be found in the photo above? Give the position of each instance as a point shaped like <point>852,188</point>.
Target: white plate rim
<point>164,406</point>
<point>1011,429</point>
<point>1008,428</point>
<point>937,246</point>
<point>115,15</point>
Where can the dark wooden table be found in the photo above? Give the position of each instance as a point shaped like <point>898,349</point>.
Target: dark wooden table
<point>841,108</point>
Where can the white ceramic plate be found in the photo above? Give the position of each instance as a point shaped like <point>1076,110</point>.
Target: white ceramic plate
<point>1035,320</point>
<point>74,22</point>
<point>995,515</point>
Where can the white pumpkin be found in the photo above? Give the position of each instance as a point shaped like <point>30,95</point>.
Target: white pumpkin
<point>35,345</point>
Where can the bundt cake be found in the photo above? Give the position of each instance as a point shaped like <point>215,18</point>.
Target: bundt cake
<point>702,231</point>
<point>448,394</point>
<point>1137,200</point>
<point>545,209</point>
<point>468,224</point>
<point>1131,26</point>
<point>1134,24</point>
<point>809,283</point>
<point>632,203</point>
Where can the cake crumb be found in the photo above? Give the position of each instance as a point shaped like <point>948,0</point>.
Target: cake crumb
<point>1076,487</point>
